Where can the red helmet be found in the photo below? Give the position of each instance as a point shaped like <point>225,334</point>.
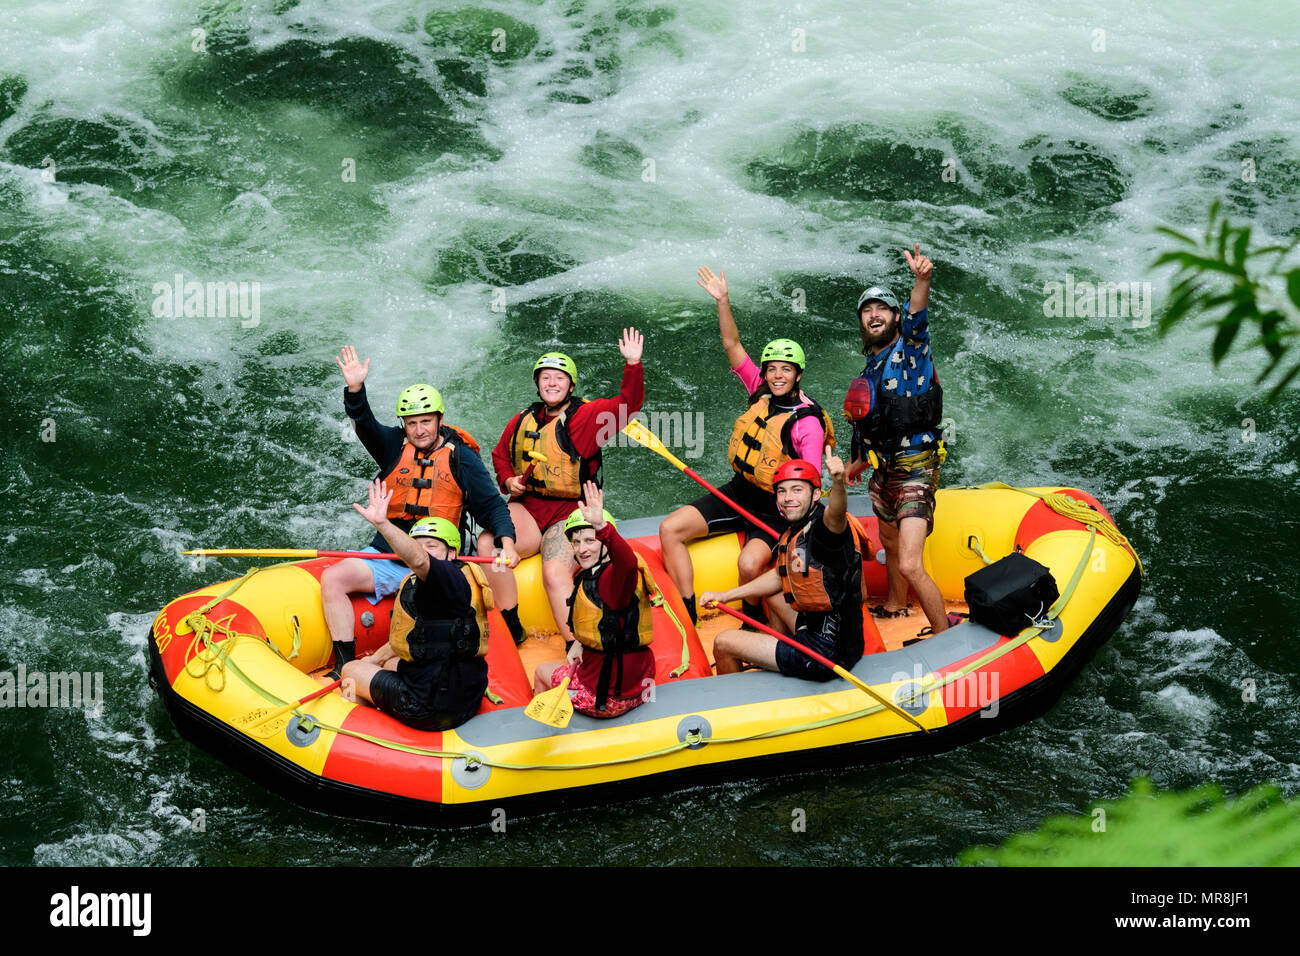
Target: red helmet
<point>797,468</point>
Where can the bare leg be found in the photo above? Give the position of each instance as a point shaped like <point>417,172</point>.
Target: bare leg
<point>911,543</point>
<point>542,677</point>
<point>557,576</point>
<point>684,524</point>
<point>896,599</point>
<point>349,576</point>
<point>505,592</point>
<point>731,649</point>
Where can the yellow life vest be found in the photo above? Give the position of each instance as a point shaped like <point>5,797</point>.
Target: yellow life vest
<point>602,628</point>
<point>564,471</point>
<point>414,638</point>
<point>761,443</point>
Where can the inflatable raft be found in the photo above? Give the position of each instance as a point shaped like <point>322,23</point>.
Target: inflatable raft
<point>228,659</point>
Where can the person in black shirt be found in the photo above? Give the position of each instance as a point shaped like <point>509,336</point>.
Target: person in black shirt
<point>819,573</point>
<point>431,674</point>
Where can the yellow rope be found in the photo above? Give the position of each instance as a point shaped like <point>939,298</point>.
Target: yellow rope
<point>1077,510</point>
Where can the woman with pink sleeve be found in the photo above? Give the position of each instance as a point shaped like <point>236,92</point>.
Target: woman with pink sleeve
<point>780,424</point>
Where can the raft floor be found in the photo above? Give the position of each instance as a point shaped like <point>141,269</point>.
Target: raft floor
<point>543,647</point>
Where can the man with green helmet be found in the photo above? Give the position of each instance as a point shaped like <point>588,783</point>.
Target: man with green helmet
<point>780,424</point>
<point>609,662</point>
<point>901,436</point>
<point>432,673</point>
<point>433,470</point>
<point>548,451</point>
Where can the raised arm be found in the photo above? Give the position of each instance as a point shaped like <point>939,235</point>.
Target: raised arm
<point>837,499</point>
<point>414,556</point>
<point>922,268</point>
<point>716,286</point>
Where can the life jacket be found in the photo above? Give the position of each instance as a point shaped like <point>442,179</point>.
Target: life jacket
<point>816,587</point>
<point>564,471</point>
<point>612,632</point>
<point>415,638</point>
<point>893,417</point>
<point>425,487</point>
<point>760,443</point>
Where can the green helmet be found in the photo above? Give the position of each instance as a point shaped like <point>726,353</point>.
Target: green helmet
<point>439,528</point>
<point>559,361</point>
<point>878,292</point>
<point>576,521</point>
<point>419,400</point>
<point>783,350</point>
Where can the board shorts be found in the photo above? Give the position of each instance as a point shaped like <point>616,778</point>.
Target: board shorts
<point>584,697</point>
<point>720,516</point>
<point>905,487</point>
<point>404,697</point>
<point>795,663</point>
<point>388,575</point>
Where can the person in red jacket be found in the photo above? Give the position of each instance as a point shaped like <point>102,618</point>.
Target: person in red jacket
<point>567,433</point>
<point>609,664</point>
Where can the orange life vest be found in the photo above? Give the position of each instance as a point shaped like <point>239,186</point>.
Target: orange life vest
<point>815,587</point>
<point>427,487</point>
<point>761,443</point>
<point>564,471</point>
<point>414,638</point>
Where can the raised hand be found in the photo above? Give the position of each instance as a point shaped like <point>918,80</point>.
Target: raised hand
<point>593,505</point>
<point>834,466</point>
<point>714,285</point>
<point>920,265</point>
<point>375,511</point>
<point>630,346</point>
<point>354,372</point>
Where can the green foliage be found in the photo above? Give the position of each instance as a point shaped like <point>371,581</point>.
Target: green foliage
<point>1147,828</point>
<point>1220,276</point>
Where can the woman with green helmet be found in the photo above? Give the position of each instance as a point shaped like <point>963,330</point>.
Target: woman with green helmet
<point>609,664</point>
<point>545,454</point>
<point>780,424</point>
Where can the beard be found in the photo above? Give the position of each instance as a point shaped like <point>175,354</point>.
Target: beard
<point>884,336</point>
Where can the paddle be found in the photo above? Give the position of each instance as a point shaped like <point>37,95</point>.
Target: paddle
<point>552,707</point>
<point>307,553</point>
<point>643,436</point>
<point>824,661</point>
<point>281,711</point>
<point>536,456</point>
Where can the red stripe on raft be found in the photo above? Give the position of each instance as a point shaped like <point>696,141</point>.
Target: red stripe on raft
<point>1040,519</point>
<point>991,682</point>
<point>667,644</point>
<point>506,675</point>
<point>176,649</point>
<point>368,765</point>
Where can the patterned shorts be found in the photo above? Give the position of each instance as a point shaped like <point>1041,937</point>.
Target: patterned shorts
<point>905,488</point>
<point>584,697</point>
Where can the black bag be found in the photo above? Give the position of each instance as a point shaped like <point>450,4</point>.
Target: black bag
<point>1010,594</point>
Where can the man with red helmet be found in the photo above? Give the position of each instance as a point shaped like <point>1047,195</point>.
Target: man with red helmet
<point>819,570</point>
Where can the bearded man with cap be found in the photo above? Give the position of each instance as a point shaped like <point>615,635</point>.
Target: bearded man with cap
<point>900,436</point>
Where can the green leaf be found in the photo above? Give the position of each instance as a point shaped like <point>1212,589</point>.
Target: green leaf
<point>1151,828</point>
<point>1176,235</point>
<point>1293,286</point>
<point>1228,329</point>
<point>1285,381</point>
<point>1240,245</point>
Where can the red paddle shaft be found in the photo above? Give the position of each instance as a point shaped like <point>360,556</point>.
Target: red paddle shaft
<point>739,510</point>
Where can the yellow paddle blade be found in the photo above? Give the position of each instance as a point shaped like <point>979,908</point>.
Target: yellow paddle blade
<point>643,436</point>
<point>553,707</point>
